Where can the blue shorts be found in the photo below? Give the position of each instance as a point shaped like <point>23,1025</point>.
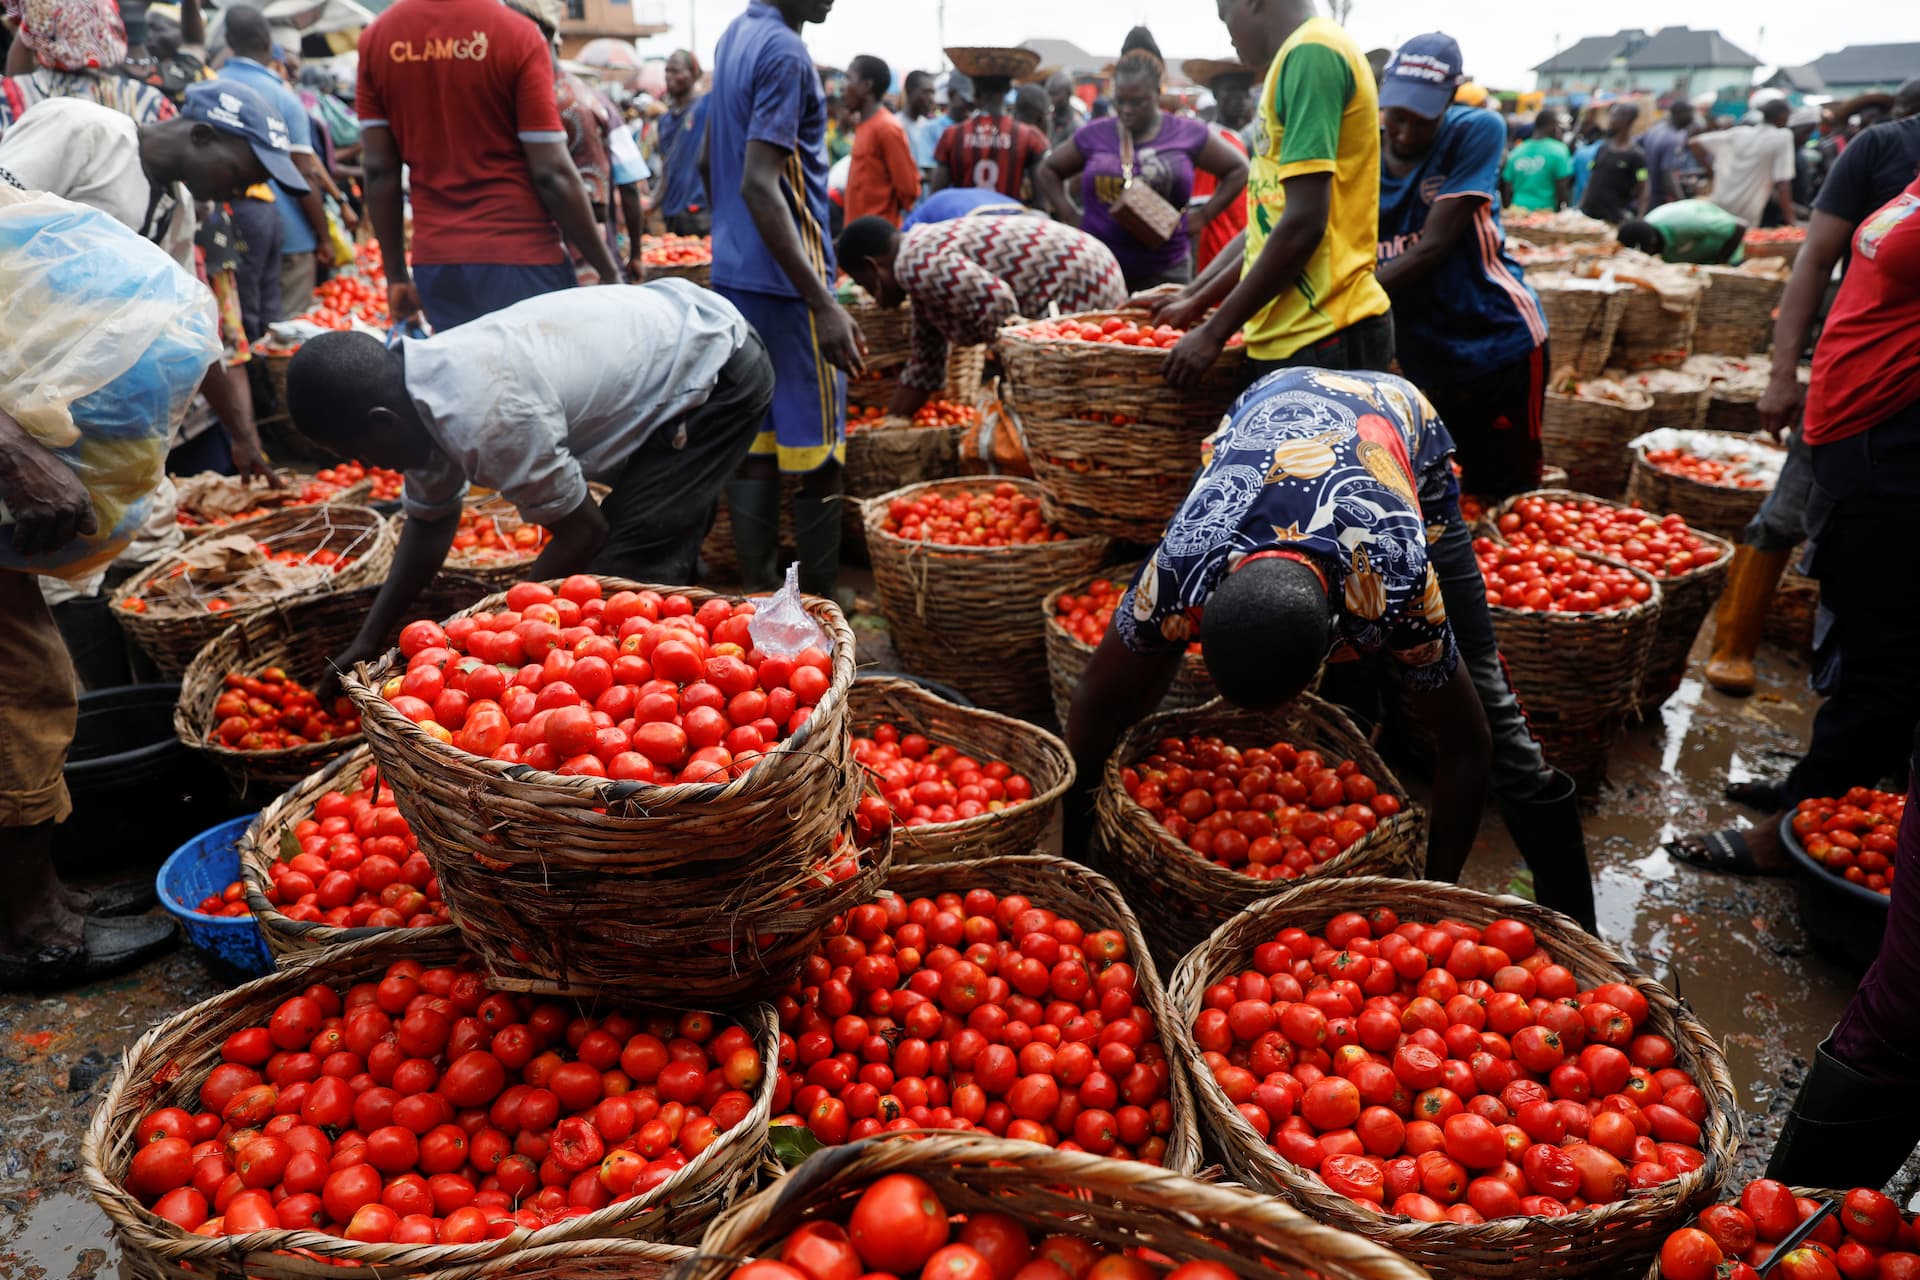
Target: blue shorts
<point>807,426</point>
<point>454,293</point>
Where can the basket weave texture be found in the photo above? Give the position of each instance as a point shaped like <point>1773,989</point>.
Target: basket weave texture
<point>1656,329</point>
<point>1590,439</point>
<point>1581,320</point>
<point>882,459</point>
<point>1603,1241</point>
<point>1736,315</point>
<point>1713,508</point>
<point>1052,378</point>
<point>1116,481</point>
<point>1068,655</point>
<point>1796,603</point>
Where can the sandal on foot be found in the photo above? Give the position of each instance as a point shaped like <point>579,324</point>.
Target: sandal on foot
<point>1757,793</point>
<point>1723,851</point>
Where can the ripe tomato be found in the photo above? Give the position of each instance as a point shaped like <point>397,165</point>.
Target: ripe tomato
<point>897,1224</point>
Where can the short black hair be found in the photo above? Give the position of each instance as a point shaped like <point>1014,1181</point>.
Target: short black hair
<point>863,240</point>
<point>991,91</point>
<point>248,33</point>
<point>1264,632</point>
<point>914,80</point>
<point>1776,112</point>
<point>874,71</point>
<point>1638,233</point>
<point>1032,100</point>
<point>334,381</point>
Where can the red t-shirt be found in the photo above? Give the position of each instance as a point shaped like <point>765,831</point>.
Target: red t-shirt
<point>462,84</point>
<point>990,151</point>
<point>1867,366</point>
<point>1230,221</point>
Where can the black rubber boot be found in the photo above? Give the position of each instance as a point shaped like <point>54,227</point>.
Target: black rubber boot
<point>816,536</point>
<point>1547,831</point>
<point>753,505</point>
<point>1845,1130</point>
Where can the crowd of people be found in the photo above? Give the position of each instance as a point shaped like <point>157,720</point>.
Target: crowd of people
<point>1343,220</point>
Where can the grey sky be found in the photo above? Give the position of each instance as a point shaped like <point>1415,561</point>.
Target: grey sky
<point>1500,40</point>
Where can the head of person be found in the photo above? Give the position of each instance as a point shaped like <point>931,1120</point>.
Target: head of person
<point>348,393</point>
<point>1906,100</point>
<point>800,12</point>
<point>682,73</point>
<point>1233,99</point>
<point>866,250</point>
<point>248,34</point>
<point>1102,108</point>
<point>1547,124</point>
<point>228,138</point>
<point>1136,82</point>
<point>1680,115</point>
<point>1032,106</point>
<point>868,79</point>
<point>1803,122</point>
<point>1060,91</point>
<point>1264,631</point>
<point>535,11</point>
<point>1775,113</point>
<point>919,94</point>
<point>990,94</point>
<point>960,99</point>
<point>1637,233</point>
<point>163,35</point>
<point>1622,118</point>
<point>1416,89</point>
<point>1259,27</point>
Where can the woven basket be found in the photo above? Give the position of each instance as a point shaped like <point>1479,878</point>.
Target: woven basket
<point>700,273</point>
<point>874,389</point>
<point>1068,655</point>
<point>702,892</point>
<point>1796,603</point>
<point>1711,508</point>
<point>581,1260</point>
<point>1578,675</point>
<point>1787,249</point>
<point>1095,903</point>
<point>1685,601</point>
<point>882,459</point>
<point>1590,438</point>
<point>1582,318</point>
<point>1050,378</point>
<point>1733,413</point>
<point>1029,751</point>
<point>1736,315</point>
<point>966,370</point>
<point>1683,408</point>
<point>354,495</point>
<point>717,549</point>
<point>1550,236</point>
<point>1800,1193</point>
<point>1608,1240</point>
<point>166,1066</point>
<point>888,331</point>
<point>172,640</point>
<point>1656,329</point>
<point>1191,894</point>
<point>1121,482</point>
<point>965,616</point>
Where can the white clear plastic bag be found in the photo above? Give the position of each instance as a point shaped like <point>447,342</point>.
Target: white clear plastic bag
<point>783,627</point>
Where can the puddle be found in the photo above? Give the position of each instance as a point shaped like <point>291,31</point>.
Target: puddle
<point>58,1236</point>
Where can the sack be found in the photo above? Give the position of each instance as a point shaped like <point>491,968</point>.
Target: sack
<point>120,342</point>
<point>993,443</point>
<point>1141,212</point>
<point>337,237</point>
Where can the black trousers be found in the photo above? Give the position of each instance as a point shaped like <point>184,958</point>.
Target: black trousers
<point>257,275</point>
<point>1365,345</point>
<point>663,500</point>
<point>1495,422</point>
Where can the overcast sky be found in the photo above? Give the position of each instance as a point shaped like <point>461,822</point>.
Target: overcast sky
<point>1501,41</point>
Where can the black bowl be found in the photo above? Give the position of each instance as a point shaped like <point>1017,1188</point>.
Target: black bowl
<point>1845,920</point>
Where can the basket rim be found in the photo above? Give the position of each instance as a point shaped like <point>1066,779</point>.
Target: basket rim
<point>198,737</point>
<point>1674,477</point>
<point>871,507</point>
<point>1724,546</point>
<point>376,524</point>
<point>1010,332</point>
<point>1560,618</point>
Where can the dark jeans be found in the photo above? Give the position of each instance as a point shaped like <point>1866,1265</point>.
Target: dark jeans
<point>663,501</point>
<point>1865,490</point>
<point>453,294</point>
<point>1879,1034</point>
<point>1781,522</point>
<point>257,275</point>
<point>1366,345</point>
<point>1494,420</point>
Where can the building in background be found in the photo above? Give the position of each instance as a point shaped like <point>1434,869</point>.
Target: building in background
<point>590,20</point>
<point>1854,70</point>
<point>1670,61</point>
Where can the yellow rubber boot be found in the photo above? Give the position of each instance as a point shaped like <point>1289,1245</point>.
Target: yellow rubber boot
<point>1742,613</point>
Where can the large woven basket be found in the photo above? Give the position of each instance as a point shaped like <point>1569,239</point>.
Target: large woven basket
<point>1095,903</point>
<point>1608,1240</point>
<point>1679,399</point>
<point>172,639</point>
<point>966,616</point>
<point>1117,481</point>
<point>688,892</point>
<point>985,735</point>
<point>1736,315</point>
<point>875,388</point>
<point>1050,378</point>
<point>1656,329</point>
<point>1068,655</point>
<point>581,1260</point>
<point>1685,601</point>
<point>882,459</point>
<point>1590,438</point>
<point>1578,675</point>
<point>966,370</point>
<point>167,1065</point>
<point>351,495</point>
<point>1582,318</point>
<point>1192,895</point>
<point>1713,508</point>
<point>1796,605</point>
<point>888,331</point>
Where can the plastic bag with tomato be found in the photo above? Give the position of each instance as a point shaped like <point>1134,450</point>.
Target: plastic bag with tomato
<point>107,341</point>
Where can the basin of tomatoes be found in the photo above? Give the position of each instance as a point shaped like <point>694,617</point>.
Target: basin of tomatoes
<point>1733,471</point>
<point>424,1108</point>
<point>1449,1072</point>
<point>975,1011</point>
<point>1868,1239</point>
<point>1539,578</point>
<point>676,251</point>
<point>353,861</point>
<point>636,686</point>
<point>483,536</point>
<point>1662,546</point>
<point>1001,517</point>
<point>1273,813</point>
<point>1115,331</point>
<point>900,1228</point>
<point>272,711</point>
<point>1854,836</point>
<point>1086,616</point>
<point>925,782</point>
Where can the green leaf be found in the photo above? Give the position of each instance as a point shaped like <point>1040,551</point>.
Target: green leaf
<point>1521,886</point>
<point>793,1143</point>
<point>289,847</point>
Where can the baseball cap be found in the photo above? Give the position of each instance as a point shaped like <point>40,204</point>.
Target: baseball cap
<point>1422,75</point>
<point>236,108</point>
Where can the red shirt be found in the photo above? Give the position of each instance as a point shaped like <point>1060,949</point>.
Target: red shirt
<point>990,151</point>
<point>1230,221</point>
<point>462,84</point>
<point>1867,366</point>
<point>882,181</point>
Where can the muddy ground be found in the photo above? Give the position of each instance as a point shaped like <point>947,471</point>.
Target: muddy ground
<point>1732,948</point>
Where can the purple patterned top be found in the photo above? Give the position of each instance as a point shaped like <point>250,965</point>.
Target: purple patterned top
<point>1166,163</point>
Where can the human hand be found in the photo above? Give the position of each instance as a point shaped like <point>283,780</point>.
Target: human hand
<point>50,506</point>
<point>252,464</point>
<point>1780,406</point>
<point>841,341</point>
<point>1190,359</point>
<point>636,270</point>
<point>348,218</point>
<point>1156,299</point>
<point>403,300</point>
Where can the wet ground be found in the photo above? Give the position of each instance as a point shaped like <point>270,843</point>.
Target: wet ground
<point>1732,948</point>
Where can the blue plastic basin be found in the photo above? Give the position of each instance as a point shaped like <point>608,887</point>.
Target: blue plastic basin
<point>206,865</point>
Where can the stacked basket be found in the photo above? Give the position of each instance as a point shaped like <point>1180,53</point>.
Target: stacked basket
<point>1736,315</point>
<point>1588,434</point>
<point>1679,398</point>
<point>1068,655</point>
<point>1582,317</point>
<point>1656,329</point>
<point>1715,508</point>
<point>887,456</point>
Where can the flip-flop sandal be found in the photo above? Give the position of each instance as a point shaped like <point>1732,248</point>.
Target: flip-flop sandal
<point>1757,793</point>
<point>1723,851</point>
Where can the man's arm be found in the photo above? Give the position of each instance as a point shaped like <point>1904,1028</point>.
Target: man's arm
<point>839,337</point>
<point>1184,308</point>
<point>576,537</point>
<point>634,214</point>
<point>49,505</point>
<point>422,551</point>
<point>386,209</point>
<point>1827,237</point>
<point>564,197</point>
<point>311,205</point>
<point>231,395</point>
<point>1118,688</point>
<point>1463,749</point>
<point>193,26</point>
<point>1447,223</point>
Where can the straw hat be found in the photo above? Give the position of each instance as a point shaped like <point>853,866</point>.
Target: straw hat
<point>1011,63</point>
<point>1207,70</point>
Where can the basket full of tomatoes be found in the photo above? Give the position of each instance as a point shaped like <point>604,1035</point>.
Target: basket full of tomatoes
<point>1468,1079</point>
<point>1844,850</point>
<point>1077,616</point>
<point>1716,479</point>
<point>476,1122</point>
<point>885,452</point>
<point>1204,809</point>
<point>1690,566</point>
<point>977,1208</point>
<point>960,566</point>
<point>1868,1238</point>
<point>676,256</point>
<point>959,782</point>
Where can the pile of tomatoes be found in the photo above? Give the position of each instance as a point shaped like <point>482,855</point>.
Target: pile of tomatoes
<point>1732,471</point>
<point>333,560</point>
<point>1086,616</point>
<point>925,782</point>
<point>1541,578</point>
<point>1004,517</point>
<point>1661,546</point>
<point>387,484</point>
<point>345,299</point>
<point>426,1109</point>
<point>1272,813</point>
<point>945,413</point>
<point>676,251</point>
<point>900,1229</point>
<point>861,417</point>
<point>358,864</point>
<point>480,537</point>
<point>326,556</point>
<point>325,486</point>
<point>230,901</point>
<point>272,712</point>
<point>636,686</point>
<point>1774,235</point>
<point>1867,1239</point>
<point>1444,1071</point>
<point>975,1011</point>
<point>1854,836</point>
<point>1113,331</point>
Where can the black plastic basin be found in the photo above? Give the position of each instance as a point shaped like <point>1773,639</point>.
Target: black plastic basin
<point>1845,920</point>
